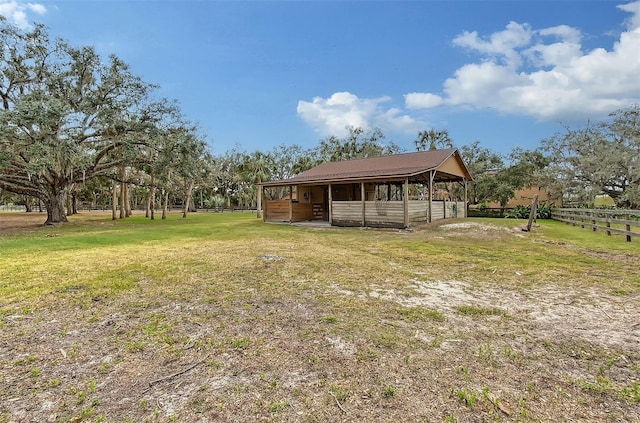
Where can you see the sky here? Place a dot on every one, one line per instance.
(258, 74)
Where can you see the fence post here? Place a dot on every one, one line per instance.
(608, 226)
(628, 226)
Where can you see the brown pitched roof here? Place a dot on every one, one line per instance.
(396, 166)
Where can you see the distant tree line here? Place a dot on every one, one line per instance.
(76, 129)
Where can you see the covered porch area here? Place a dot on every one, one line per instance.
(364, 197)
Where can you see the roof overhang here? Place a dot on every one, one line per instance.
(445, 165)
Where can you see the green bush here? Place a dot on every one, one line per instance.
(522, 212)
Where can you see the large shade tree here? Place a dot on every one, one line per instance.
(601, 158)
(66, 116)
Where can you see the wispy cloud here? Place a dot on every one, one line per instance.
(18, 12)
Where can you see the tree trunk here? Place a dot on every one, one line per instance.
(165, 204)
(152, 200)
(152, 197)
(27, 204)
(114, 201)
(69, 205)
(122, 200)
(74, 203)
(187, 200)
(127, 203)
(147, 205)
(55, 207)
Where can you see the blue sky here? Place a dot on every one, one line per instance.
(259, 74)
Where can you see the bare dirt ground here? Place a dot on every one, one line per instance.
(438, 350)
(15, 223)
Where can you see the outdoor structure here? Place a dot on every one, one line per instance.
(394, 191)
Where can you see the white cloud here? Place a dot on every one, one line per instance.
(501, 44)
(37, 8)
(16, 12)
(634, 9)
(422, 100)
(331, 116)
(523, 71)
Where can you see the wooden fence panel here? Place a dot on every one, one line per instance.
(438, 210)
(418, 211)
(384, 213)
(601, 219)
(347, 213)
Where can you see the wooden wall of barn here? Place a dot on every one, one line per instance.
(278, 211)
(376, 213)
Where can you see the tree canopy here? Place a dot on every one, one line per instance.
(68, 116)
(601, 158)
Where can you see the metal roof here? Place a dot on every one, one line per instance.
(397, 166)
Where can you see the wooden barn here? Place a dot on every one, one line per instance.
(396, 191)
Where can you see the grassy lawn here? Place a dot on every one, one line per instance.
(220, 317)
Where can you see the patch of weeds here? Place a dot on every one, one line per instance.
(86, 413)
(313, 359)
(240, 343)
(368, 354)
(418, 314)
(81, 397)
(339, 393)
(464, 370)
(632, 392)
(389, 391)
(330, 319)
(602, 385)
(512, 354)
(35, 372)
(278, 406)
(451, 418)
(467, 397)
(472, 311)
(524, 413)
(74, 350)
(621, 292)
(213, 364)
(54, 382)
(486, 352)
(29, 359)
(135, 346)
(436, 342)
(197, 404)
(386, 339)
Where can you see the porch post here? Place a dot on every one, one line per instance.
(290, 203)
(431, 175)
(405, 201)
(330, 207)
(465, 197)
(259, 202)
(362, 201)
(264, 212)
